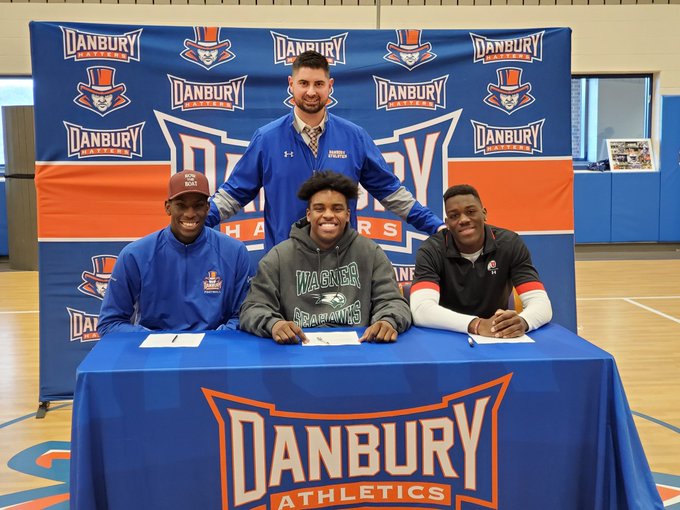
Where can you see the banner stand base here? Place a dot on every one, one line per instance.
(42, 410)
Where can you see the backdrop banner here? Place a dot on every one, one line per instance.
(119, 108)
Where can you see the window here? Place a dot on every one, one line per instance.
(13, 92)
(605, 107)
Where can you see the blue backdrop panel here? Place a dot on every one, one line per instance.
(69, 304)
(168, 109)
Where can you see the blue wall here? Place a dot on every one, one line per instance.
(4, 249)
(619, 207)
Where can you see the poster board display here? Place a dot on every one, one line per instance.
(630, 154)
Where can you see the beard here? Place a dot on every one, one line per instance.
(310, 108)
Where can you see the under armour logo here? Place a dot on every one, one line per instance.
(288, 154)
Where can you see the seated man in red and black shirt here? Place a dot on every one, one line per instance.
(465, 274)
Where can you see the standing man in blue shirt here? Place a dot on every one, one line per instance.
(286, 152)
(184, 277)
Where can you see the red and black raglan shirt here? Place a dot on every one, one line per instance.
(479, 288)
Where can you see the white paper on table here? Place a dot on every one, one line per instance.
(173, 340)
(479, 339)
(328, 338)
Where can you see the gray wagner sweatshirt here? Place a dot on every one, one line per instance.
(352, 284)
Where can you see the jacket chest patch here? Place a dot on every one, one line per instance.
(212, 283)
(492, 267)
(337, 154)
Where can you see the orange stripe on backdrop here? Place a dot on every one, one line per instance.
(521, 195)
(101, 201)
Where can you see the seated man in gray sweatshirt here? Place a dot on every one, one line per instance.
(325, 274)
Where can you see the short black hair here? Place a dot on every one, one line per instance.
(327, 179)
(461, 189)
(311, 59)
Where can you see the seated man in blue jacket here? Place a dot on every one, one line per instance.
(185, 277)
(326, 274)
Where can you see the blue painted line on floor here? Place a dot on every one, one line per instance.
(658, 422)
(26, 417)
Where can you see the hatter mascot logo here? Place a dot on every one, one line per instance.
(409, 52)
(101, 94)
(509, 94)
(95, 283)
(207, 50)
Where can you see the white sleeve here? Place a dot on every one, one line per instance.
(537, 308)
(428, 313)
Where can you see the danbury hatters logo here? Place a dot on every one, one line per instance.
(392, 95)
(80, 45)
(83, 326)
(286, 49)
(408, 51)
(526, 139)
(212, 283)
(206, 49)
(96, 283)
(509, 94)
(101, 94)
(189, 95)
(436, 455)
(519, 49)
(88, 143)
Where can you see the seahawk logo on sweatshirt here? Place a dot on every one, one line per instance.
(334, 299)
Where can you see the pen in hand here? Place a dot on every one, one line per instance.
(471, 342)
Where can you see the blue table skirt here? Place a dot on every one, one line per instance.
(427, 423)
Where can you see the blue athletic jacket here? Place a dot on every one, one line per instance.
(279, 160)
(160, 283)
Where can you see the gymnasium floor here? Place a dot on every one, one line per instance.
(628, 301)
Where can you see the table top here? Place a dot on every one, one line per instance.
(239, 350)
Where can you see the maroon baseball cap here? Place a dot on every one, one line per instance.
(188, 181)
